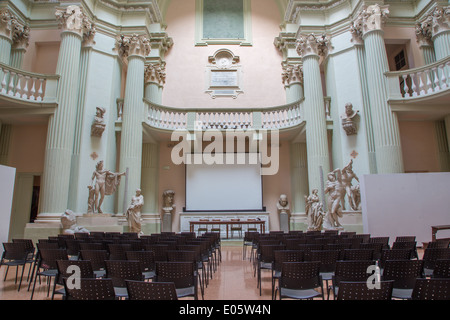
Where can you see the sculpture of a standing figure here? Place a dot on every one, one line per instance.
(335, 190)
(347, 177)
(104, 182)
(314, 211)
(133, 213)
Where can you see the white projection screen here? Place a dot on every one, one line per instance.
(224, 187)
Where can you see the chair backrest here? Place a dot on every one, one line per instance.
(121, 270)
(15, 251)
(139, 290)
(29, 245)
(84, 266)
(327, 258)
(147, 258)
(431, 289)
(267, 252)
(441, 269)
(351, 270)
(358, 254)
(117, 250)
(403, 272)
(404, 245)
(383, 240)
(364, 236)
(50, 256)
(430, 255)
(405, 238)
(92, 246)
(441, 243)
(281, 256)
(182, 256)
(90, 289)
(180, 273)
(300, 275)
(360, 291)
(394, 254)
(96, 257)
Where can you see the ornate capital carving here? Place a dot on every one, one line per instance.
(8, 23)
(292, 73)
(155, 72)
(313, 45)
(72, 18)
(132, 45)
(20, 36)
(439, 19)
(423, 32)
(370, 18)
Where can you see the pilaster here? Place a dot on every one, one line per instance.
(299, 176)
(442, 146)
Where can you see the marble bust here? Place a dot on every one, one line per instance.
(98, 126)
(349, 120)
(168, 203)
(283, 204)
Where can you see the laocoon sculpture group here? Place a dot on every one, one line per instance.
(338, 186)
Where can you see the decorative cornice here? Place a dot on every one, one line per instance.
(292, 73)
(294, 8)
(150, 7)
(313, 45)
(161, 41)
(156, 73)
(285, 40)
(132, 45)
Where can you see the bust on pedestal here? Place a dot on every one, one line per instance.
(168, 207)
(283, 209)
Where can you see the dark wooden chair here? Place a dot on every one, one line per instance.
(91, 289)
(431, 289)
(360, 291)
(138, 290)
(404, 273)
(182, 274)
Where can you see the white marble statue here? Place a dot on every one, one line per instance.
(314, 211)
(168, 202)
(104, 182)
(335, 190)
(133, 213)
(348, 175)
(69, 223)
(283, 204)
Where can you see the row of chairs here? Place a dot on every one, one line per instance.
(270, 251)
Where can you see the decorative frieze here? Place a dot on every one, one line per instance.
(292, 73)
(156, 73)
(132, 45)
(313, 45)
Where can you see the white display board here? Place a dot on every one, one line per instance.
(224, 187)
(7, 178)
(406, 204)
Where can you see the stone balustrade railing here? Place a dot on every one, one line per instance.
(169, 118)
(28, 86)
(419, 82)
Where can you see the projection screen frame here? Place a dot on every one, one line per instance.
(263, 208)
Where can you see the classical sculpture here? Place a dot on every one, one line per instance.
(69, 223)
(168, 204)
(98, 126)
(348, 120)
(314, 211)
(335, 190)
(283, 204)
(104, 182)
(348, 175)
(133, 213)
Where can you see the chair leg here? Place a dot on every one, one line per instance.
(6, 273)
(21, 277)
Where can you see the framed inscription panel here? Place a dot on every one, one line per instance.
(223, 75)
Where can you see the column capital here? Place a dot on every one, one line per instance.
(312, 44)
(132, 45)
(20, 36)
(292, 73)
(73, 19)
(439, 19)
(8, 23)
(423, 32)
(155, 73)
(370, 18)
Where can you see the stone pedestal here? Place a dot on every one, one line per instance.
(284, 222)
(167, 222)
(100, 222)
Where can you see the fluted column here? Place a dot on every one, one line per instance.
(5, 138)
(292, 77)
(440, 29)
(442, 146)
(423, 38)
(311, 47)
(7, 26)
(134, 48)
(75, 189)
(150, 157)
(299, 176)
(385, 122)
(61, 128)
(155, 77)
